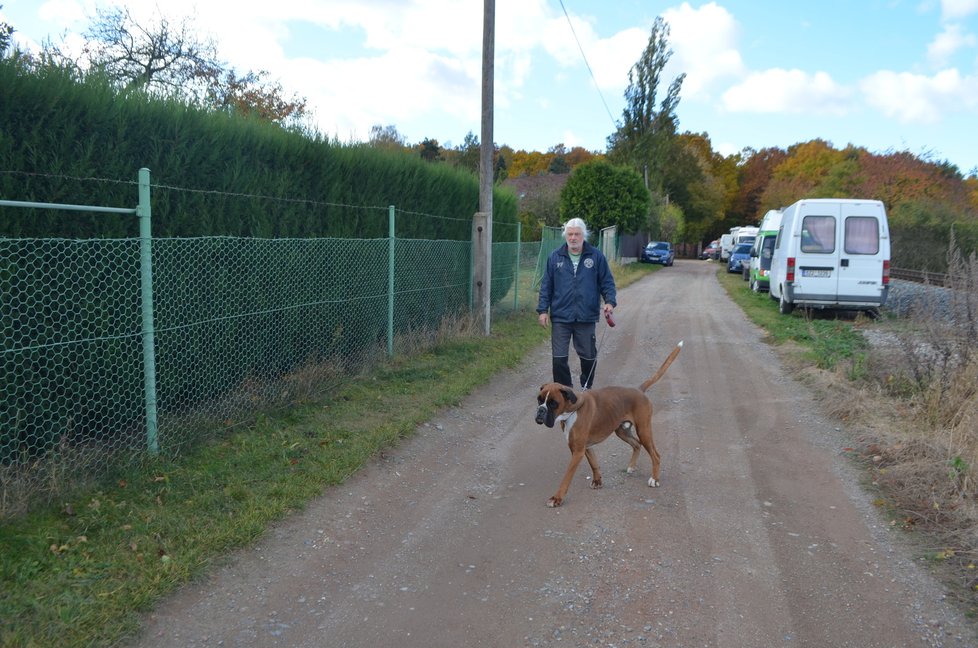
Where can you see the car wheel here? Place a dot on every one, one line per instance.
(784, 306)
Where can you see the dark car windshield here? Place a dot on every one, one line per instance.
(658, 246)
(743, 248)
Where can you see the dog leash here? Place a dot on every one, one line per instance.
(597, 347)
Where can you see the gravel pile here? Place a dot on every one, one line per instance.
(904, 295)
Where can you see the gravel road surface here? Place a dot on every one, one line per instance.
(758, 536)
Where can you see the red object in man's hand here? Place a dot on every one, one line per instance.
(608, 318)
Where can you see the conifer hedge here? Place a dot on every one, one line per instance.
(67, 140)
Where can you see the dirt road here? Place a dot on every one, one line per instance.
(758, 536)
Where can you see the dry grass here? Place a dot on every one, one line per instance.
(917, 400)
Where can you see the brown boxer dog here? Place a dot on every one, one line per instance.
(589, 417)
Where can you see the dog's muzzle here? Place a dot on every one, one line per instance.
(541, 415)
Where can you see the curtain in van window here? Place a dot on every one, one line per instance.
(862, 235)
(818, 234)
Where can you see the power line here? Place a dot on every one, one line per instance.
(588, 65)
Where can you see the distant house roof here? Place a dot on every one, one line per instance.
(535, 185)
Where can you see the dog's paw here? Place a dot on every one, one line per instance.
(596, 483)
(630, 470)
(554, 502)
(652, 482)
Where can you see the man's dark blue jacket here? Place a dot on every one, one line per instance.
(575, 296)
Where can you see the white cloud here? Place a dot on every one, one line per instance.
(613, 57)
(788, 91)
(949, 41)
(704, 45)
(914, 98)
(62, 14)
(956, 9)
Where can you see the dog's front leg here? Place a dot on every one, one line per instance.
(592, 460)
(558, 497)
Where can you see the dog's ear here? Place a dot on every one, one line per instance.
(569, 395)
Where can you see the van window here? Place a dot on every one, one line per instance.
(766, 252)
(862, 235)
(818, 234)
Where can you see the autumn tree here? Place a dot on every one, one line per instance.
(529, 163)
(430, 150)
(971, 185)
(803, 174)
(754, 173)
(253, 94)
(579, 155)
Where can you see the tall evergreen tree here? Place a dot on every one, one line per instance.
(648, 127)
(6, 35)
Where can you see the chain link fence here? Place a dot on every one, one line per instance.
(241, 325)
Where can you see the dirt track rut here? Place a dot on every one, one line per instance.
(758, 536)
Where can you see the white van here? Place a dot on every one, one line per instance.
(726, 244)
(760, 255)
(745, 234)
(832, 253)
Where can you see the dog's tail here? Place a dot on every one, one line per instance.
(662, 370)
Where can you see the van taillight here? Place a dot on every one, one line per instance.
(886, 272)
(791, 269)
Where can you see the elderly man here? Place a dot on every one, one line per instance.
(577, 277)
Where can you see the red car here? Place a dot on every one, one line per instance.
(711, 251)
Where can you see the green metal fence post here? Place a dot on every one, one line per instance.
(390, 281)
(146, 289)
(516, 281)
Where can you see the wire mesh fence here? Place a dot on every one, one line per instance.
(242, 325)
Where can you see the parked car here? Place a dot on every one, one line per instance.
(711, 251)
(738, 256)
(658, 252)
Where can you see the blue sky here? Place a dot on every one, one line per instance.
(887, 75)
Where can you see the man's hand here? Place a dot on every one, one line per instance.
(608, 309)
(544, 320)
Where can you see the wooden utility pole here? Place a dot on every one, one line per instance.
(482, 221)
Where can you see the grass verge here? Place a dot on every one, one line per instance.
(81, 573)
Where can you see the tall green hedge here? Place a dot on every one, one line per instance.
(81, 141)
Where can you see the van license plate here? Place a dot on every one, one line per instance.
(823, 274)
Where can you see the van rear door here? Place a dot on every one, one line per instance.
(863, 245)
(817, 265)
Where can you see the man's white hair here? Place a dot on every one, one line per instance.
(578, 223)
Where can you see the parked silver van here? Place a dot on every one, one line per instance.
(832, 253)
